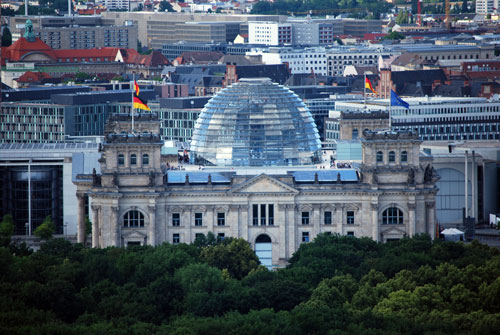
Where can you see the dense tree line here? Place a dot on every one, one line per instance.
(359, 8)
(333, 285)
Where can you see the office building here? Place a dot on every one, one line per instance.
(439, 119)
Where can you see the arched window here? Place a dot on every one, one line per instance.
(145, 159)
(404, 156)
(380, 157)
(392, 215)
(392, 156)
(133, 159)
(354, 133)
(133, 219)
(121, 159)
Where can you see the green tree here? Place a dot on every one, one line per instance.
(394, 36)
(236, 256)
(6, 37)
(165, 6)
(6, 230)
(46, 229)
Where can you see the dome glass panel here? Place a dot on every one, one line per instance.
(255, 122)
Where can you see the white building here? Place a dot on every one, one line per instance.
(486, 6)
(269, 33)
(340, 57)
(306, 60)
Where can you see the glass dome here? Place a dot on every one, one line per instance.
(255, 122)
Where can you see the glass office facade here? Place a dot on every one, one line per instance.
(255, 123)
(46, 196)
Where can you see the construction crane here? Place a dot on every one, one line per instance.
(419, 13)
(447, 12)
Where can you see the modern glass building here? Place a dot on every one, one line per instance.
(255, 122)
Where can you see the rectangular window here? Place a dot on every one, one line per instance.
(221, 219)
(221, 236)
(263, 215)
(198, 219)
(176, 239)
(328, 217)
(350, 217)
(305, 218)
(198, 236)
(350, 233)
(271, 214)
(305, 236)
(176, 219)
(255, 215)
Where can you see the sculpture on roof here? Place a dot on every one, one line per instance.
(29, 35)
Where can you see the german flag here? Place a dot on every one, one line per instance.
(136, 88)
(369, 86)
(139, 104)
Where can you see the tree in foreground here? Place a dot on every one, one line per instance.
(6, 230)
(46, 229)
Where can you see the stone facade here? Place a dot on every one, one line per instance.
(134, 202)
(352, 124)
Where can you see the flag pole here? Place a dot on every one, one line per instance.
(133, 87)
(364, 91)
(390, 110)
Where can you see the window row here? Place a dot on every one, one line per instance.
(327, 218)
(198, 219)
(133, 159)
(263, 214)
(392, 156)
(134, 218)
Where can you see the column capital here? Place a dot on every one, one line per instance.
(374, 206)
(412, 206)
(80, 196)
(95, 207)
(430, 204)
(115, 209)
(152, 208)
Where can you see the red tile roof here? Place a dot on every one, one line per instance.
(31, 77)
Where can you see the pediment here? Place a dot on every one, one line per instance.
(134, 234)
(393, 231)
(264, 184)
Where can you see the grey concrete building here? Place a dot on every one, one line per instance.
(157, 29)
(77, 32)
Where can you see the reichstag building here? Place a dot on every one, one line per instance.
(255, 174)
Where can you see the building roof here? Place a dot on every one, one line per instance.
(31, 77)
(416, 83)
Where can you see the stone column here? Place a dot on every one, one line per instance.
(115, 227)
(244, 221)
(280, 221)
(430, 218)
(339, 219)
(375, 226)
(152, 225)
(95, 226)
(412, 222)
(315, 217)
(81, 218)
(166, 224)
(211, 218)
(292, 229)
